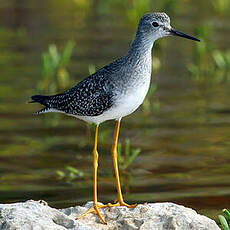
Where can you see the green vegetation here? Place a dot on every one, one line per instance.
(209, 63)
(54, 75)
(92, 69)
(70, 173)
(223, 221)
(126, 156)
(221, 6)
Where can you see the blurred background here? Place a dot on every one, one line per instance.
(176, 147)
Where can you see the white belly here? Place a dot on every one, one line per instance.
(124, 105)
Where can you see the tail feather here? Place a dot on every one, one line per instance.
(40, 99)
(44, 100)
(50, 102)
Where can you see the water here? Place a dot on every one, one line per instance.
(184, 144)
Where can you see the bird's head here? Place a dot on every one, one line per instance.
(157, 25)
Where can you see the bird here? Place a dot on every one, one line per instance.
(113, 92)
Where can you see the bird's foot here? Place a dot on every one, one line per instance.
(94, 208)
(119, 203)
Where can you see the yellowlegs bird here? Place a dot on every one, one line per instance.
(114, 91)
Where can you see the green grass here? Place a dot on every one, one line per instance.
(209, 64)
(221, 6)
(126, 155)
(223, 219)
(70, 173)
(54, 74)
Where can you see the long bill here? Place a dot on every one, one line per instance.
(180, 34)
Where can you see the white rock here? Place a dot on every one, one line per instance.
(34, 215)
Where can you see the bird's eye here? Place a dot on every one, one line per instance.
(155, 24)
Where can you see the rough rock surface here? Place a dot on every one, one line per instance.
(35, 215)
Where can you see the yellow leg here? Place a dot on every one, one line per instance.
(115, 164)
(95, 207)
(120, 201)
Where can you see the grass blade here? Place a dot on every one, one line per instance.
(223, 222)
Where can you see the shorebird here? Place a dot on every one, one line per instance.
(113, 92)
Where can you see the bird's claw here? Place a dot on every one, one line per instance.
(94, 208)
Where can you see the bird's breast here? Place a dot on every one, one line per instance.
(132, 96)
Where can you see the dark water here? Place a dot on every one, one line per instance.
(184, 144)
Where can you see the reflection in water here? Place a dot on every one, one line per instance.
(184, 142)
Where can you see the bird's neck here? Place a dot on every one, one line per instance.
(140, 53)
(141, 46)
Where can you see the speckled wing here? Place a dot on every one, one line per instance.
(90, 97)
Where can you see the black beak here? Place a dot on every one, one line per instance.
(180, 34)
